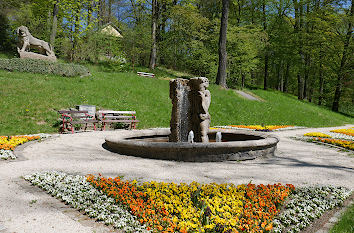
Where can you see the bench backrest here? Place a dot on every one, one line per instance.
(109, 114)
(151, 75)
(75, 114)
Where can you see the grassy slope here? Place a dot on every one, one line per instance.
(278, 108)
(28, 102)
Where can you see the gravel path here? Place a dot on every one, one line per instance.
(246, 95)
(24, 208)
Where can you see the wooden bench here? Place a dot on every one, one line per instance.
(150, 75)
(108, 117)
(71, 118)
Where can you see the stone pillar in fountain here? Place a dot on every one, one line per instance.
(190, 104)
(199, 98)
(179, 123)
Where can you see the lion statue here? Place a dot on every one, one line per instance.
(27, 41)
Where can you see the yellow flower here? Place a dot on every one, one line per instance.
(317, 134)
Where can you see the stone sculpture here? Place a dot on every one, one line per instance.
(179, 123)
(27, 41)
(200, 100)
(190, 104)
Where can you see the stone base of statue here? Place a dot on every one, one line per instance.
(32, 55)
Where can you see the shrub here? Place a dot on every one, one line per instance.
(43, 67)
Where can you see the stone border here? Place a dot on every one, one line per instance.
(193, 152)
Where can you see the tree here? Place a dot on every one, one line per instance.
(154, 16)
(221, 76)
(54, 23)
(341, 70)
(266, 57)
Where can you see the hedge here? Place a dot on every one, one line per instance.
(43, 67)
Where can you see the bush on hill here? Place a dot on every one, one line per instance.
(43, 67)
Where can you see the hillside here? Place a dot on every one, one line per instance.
(28, 102)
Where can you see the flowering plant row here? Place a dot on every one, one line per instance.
(349, 131)
(338, 142)
(168, 207)
(80, 194)
(317, 134)
(307, 204)
(256, 127)
(9, 143)
(334, 138)
(252, 208)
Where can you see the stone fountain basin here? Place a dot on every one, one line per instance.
(153, 143)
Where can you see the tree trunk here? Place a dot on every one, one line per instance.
(286, 76)
(221, 76)
(320, 97)
(300, 87)
(110, 2)
(280, 78)
(266, 57)
(242, 80)
(75, 35)
(53, 34)
(346, 49)
(49, 19)
(153, 53)
(101, 12)
(252, 11)
(297, 29)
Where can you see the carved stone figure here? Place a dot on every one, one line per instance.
(27, 41)
(200, 99)
(190, 104)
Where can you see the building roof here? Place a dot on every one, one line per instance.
(111, 30)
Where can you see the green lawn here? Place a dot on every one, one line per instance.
(28, 102)
(346, 222)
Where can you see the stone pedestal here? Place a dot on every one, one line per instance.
(180, 119)
(37, 56)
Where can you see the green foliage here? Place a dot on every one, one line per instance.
(136, 43)
(43, 67)
(6, 44)
(245, 44)
(185, 45)
(42, 95)
(99, 47)
(346, 222)
(34, 16)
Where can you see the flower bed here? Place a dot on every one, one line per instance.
(9, 143)
(196, 207)
(265, 128)
(335, 138)
(338, 142)
(317, 134)
(80, 194)
(349, 131)
(306, 204)
(169, 207)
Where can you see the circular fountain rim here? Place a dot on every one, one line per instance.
(197, 152)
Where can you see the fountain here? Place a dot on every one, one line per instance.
(189, 137)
